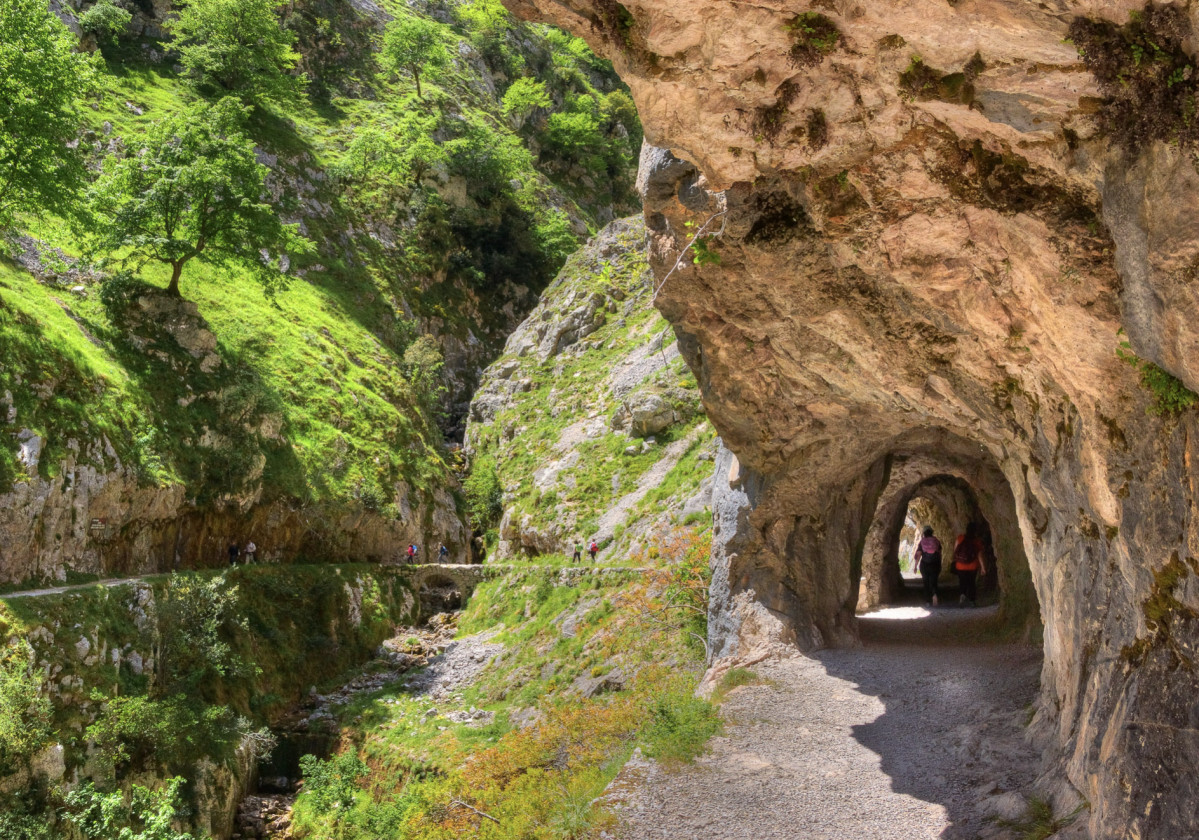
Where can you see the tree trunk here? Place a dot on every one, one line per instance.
(176, 270)
(416, 78)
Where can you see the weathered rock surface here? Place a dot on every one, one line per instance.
(909, 278)
(589, 410)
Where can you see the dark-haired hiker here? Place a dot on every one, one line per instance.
(968, 563)
(928, 561)
(593, 549)
(578, 555)
(233, 552)
(442, 553)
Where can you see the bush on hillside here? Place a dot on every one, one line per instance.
(24, 710)
(105, 20)
(238, 47)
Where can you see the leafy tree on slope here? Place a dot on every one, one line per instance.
(42, 79)
(414, 44)
(195, 187)
(238, 47)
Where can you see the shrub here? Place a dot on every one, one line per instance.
(24, 712)
(196, 616)
(680, 726)
(484, 494)
(813, 37)
(333, 783)
(1170, 395)
(142, 814)
(1148, 77)
(105, 20)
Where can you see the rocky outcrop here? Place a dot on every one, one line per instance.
(589, 410)
(921, 256)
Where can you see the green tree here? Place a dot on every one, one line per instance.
(238, 46)
(42, 79)
(142, 814)
(423, 363)
(105, 20)
(194, 187)
(195, 618)
(24, 711)
(414, 44)
(484, 494)
(333, 783)
(386, 164)
(522, 98)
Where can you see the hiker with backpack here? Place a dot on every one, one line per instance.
(593, 549)
(578, 555)
(928, 562)
(968, 564)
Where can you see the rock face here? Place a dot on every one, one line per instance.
(926, 253)
(589, 410)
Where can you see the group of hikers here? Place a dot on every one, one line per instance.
(414, 550)
(245, 554)
(968, 562)
(592, 549)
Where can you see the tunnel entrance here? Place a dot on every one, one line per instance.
(947, 505)
(953, 488)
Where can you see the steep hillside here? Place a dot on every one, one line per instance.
(590, 421)
(139, 432)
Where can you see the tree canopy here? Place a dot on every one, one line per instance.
(194, 187)
(415, 45)
(238, 47)
(42, 79)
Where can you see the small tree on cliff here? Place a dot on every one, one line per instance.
(194, 188)
(42, 79)
(238, 47)
(414, 44)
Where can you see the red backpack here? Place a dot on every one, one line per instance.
(965, 556)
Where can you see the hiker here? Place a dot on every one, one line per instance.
(442, 553)
(593, 549)
(928, 562)
(578, 555)
(968, 563)
(249, 552)
(415, 550)
(233, 552)
(411, 552)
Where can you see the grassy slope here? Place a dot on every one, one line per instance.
(575, 386)
(539, 767)
(325, 360)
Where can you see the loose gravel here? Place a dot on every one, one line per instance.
(896, 740)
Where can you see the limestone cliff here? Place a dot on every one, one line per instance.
(590, 419)
(927, 250)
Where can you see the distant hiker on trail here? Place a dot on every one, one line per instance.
(233, 552)
(593, 549)
(442, 553)
(968, 563)
(928, 562)
(249, 552)
(411, 552)
(578, 555)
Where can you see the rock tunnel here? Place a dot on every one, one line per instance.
(923, 249)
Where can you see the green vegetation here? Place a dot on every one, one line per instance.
(813, 37)
(140, 814)
(238, 47)
(194, 188)
(587, 673)
(105, 20)
(1039, 821)
(42, 82)
(24, 710)
(1170, 396)
(430, 211)
(922, 82)
(567, 389)
(415, 45)
(1146, 73)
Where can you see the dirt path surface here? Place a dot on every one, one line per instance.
(894, 741)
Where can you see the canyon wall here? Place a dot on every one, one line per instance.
(922, 253)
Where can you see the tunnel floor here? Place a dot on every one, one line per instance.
(896, 740)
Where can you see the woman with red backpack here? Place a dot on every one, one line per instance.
(968, 564)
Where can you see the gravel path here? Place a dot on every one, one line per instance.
(893, 741)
